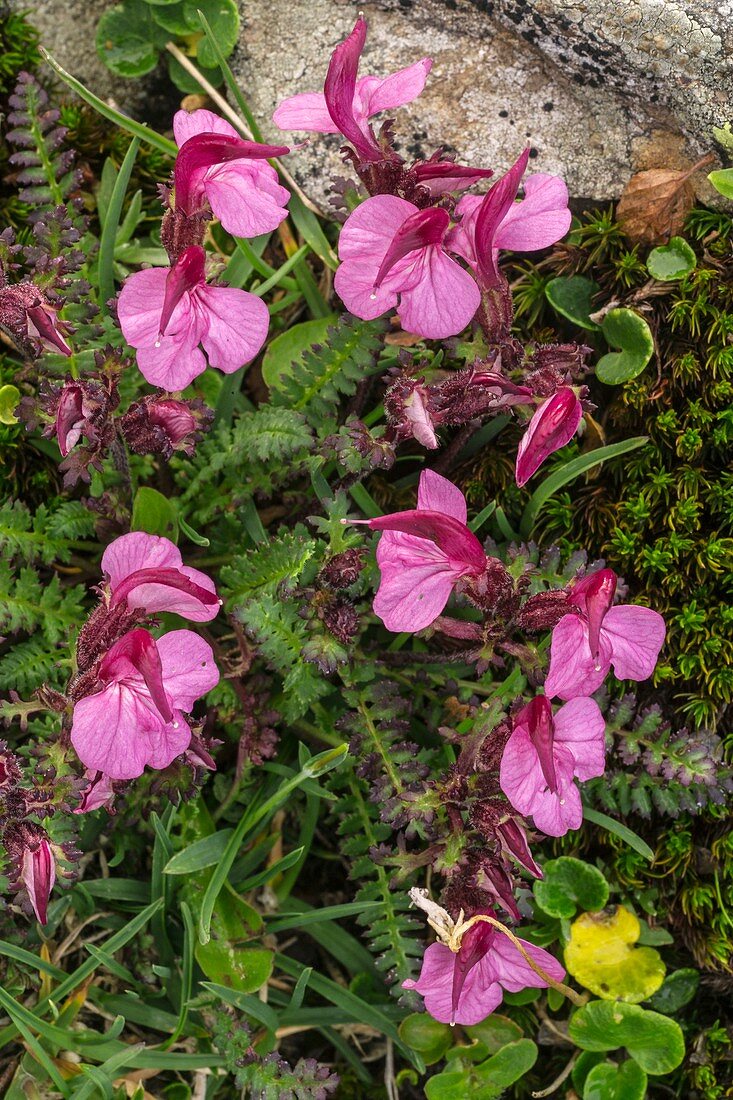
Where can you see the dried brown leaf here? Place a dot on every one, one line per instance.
(655, 203)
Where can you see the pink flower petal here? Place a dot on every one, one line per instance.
(555, 814)
(437, 494)
(520, 772)
(443, 301)
(573, 671)
(118, 731)
(188, 124)
(138, 550)
(305, 112)
(507, 966)
(478, 999)
(636, 635)
(398, 88)
(364, 242)
(237, 324)
(580, 727)
(173, 365)
(189, 669)
(417, 580)
(540, 219)
(246, 197)
(140, 306)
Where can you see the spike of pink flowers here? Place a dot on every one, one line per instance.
(552, 426)
(215, 165)
(422, 554)
(392, 253)
(347, 103)
(166, 313)
(136, 718)
(595, 637)
(147, 572)
(543, 755)
(467, 986)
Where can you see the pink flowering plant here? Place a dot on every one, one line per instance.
(282, 646)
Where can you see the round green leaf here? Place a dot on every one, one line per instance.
(494, 1032)
(671, 261)
(570, 884)
(585, 1063)
(172, 18)
(486, 1081)
(223, 18)
(654, 1041)
(187, 83)
(722, 181)
(129, 40)
(427, 1036)
(287, 349)
(572, 296)
(245, 969)
(678, 990)
(625, 329)
(610, 1082)
(9, 398)
(154, 513)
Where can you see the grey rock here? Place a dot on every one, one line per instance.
(600, 88)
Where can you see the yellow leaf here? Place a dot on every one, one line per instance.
(601, 956)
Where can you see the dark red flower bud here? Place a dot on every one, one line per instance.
(30, 320)
(34, 866)
(160, 425)
(342, 570)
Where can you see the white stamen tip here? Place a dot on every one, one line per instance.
(157, 343)
(597, 668)
(373, 296)
(175, 725)
(562, 801)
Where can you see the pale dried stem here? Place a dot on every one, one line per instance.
(235, 119)
(558, 1080)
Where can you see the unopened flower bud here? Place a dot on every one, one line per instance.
(30, 320)
(34, 867)
(161, 425)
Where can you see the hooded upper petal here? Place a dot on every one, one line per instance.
(635, 635)
(573, 669)
(552, 426)
(236, 326)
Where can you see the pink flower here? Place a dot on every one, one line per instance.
(422, 554)
(166, 313)
(161, 425)
(71, 416)
(553, 425)
(441, 177)
(147, 573)
(495, 221)
(596, 636)
(392, 252)
(347, 104)
(464, 987)
(34, 866)
(217, 166)
(545, 753)
(136, 719)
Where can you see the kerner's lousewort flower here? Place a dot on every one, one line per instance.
(166, 313)
(594, 636)
(543, 755)
(146, 572)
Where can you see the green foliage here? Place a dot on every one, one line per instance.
(325, 372)
(568, 885)
(49, 534)
(131, 36)
(654, 1041)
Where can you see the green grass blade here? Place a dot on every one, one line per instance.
(310, 230)
(621, 831)
(137, 129)
(106, 272)
(569, 472)
(229, 80)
